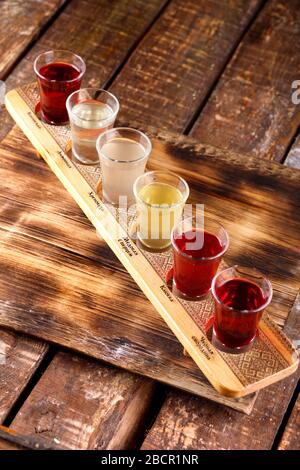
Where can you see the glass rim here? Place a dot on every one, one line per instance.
(255, 310)
(135, 131)
(200, 258)
(55, 51)
(161, 206)
(101, 90)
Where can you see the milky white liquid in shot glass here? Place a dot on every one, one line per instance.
(122, 161)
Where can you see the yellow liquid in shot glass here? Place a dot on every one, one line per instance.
(159, 207)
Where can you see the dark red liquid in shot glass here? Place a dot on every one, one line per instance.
(233, 327)
(193, 274)
(57, 81)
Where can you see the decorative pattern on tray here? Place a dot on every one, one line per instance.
(263, 359)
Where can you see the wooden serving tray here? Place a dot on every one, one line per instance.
(271, 359)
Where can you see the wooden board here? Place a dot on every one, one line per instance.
(17, 31)
(102, 409)
(251, 110)
(201, 37)
(18, 28)
(19, 359)
(293, 157)
(33, 224)
(187, 422)
(60, 228)
(168, 77)
(175, 427)
(205, 36)
(237, 383)
(291, 436)
(104, 44)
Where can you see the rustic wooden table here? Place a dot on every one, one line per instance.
(220, 71)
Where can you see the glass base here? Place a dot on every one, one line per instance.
(183, 296)
(107, 199)
(42, 117)
(152, 249)
(82, 160)
(222, 347)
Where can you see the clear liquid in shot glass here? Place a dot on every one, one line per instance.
(90, 118)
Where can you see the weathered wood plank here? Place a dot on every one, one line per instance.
(170, 74)
(19, 359)
(251, 110)
(92, 408)
(79, 241)
(20, 23)
(55, 36)
(293, 158)
(98, 280)
(19, 356)
(187, 422)
(102, 32)
(17, 30)
(291, 436)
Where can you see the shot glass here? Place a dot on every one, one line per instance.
(241, 294)
(91, 112)
(160, 198)
(199, 244)
(59, 73)
(123, 154)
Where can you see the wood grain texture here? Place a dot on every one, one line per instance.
(251, 110)
(293, 158)
(187, 422)
(102, 32)
(19, 359)
(149, 271)
(86, 325)
(78, 242)
(21, 356)
(103, 299)
(81, 182)
(20, 23)
(92, 408)
(170, 74)
(291, 436)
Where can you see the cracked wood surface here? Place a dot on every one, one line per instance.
(103, 44)
(251, 111)
(90, 408)
(291, 436)
(18, 27)
(169, 75)
(19, 358)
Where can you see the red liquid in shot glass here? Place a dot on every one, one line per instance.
(192, 274)
(233, 327)
(57, 81)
